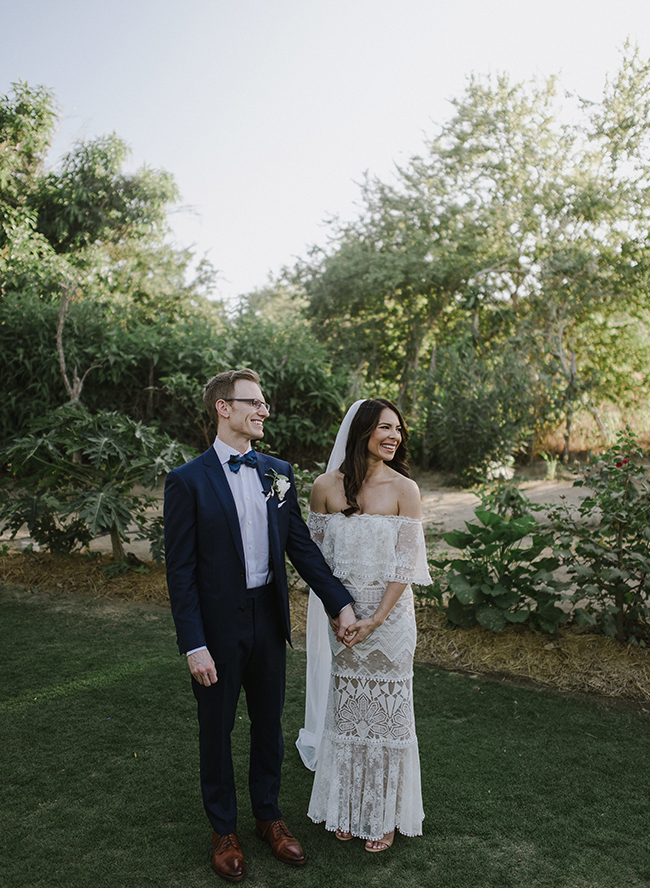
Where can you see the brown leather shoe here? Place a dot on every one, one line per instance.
(227, 857)
(283, 845)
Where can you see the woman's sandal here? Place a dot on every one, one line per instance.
(343, 836)
(380, 844)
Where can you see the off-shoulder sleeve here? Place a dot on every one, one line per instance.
(410, 554)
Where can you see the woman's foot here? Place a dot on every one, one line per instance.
(343, 836)
(376, 845)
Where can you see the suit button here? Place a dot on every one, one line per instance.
(241, 608)
(242, 574)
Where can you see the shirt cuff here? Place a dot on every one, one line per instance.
(194, 650)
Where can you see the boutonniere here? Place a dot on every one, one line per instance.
(279, 486)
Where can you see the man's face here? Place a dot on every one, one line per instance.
(244, 420)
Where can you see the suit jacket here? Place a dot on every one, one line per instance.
(206, 573)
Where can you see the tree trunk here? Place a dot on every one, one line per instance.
(571, 373)
(404, 385)
(424, 462)
(72, 388)
(591, 407)
(567, 433)
(416, 368)
(118, 548)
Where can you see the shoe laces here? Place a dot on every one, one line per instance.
(279, 826)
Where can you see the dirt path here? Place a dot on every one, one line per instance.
(450, 507)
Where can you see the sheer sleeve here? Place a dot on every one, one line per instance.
(410, 554)
(316, 522)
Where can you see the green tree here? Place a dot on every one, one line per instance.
(88, 238)
(513, 226)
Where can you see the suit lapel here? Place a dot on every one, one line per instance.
(263, 466)
(217, 477)
(262, 469)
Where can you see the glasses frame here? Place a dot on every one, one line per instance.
(254, 402)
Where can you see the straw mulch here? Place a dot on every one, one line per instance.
(572, 660)
(80, 575)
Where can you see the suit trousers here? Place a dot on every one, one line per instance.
(258, 664)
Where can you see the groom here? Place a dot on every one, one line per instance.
(230, 516)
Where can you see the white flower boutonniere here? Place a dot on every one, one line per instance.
(279, 487)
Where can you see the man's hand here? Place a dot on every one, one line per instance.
(360, 631)
(344, 623)
(202, 667)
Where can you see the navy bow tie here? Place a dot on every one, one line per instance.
(245, 459)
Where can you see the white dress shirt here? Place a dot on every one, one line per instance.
(250, 502)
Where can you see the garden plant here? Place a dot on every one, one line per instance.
(606, 546)
(73, 478)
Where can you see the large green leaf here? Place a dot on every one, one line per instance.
(488, 518)
(519, 616)
(491, 618)
(461, 587)
(457, 539)
(459, 614)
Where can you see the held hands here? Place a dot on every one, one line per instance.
(202, 667)
(361, 630)
(349, 630)
(341, 624)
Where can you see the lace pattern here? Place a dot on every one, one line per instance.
(368, 773)
(397, 552)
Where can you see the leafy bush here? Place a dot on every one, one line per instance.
(304, 479)
(606, 546)
(505, 575)
(477, 411)
(305, 393)
(74, 476)
(506, 499)
(129, 358)
(154, 372)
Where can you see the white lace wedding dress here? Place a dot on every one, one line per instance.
(367, 778)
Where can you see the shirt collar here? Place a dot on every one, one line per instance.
(225, 451)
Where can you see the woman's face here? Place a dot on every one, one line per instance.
(386, 438)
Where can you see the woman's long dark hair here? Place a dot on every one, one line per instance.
(355, 465)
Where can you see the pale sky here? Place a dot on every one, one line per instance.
(268, 112)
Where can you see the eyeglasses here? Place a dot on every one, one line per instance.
(254, 402)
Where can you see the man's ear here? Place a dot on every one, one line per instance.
(222, 407)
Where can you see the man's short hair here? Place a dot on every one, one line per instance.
(222, 386)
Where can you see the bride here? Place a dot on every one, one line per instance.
(359, 735)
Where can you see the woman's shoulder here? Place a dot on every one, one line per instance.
(328, 481)
(325, 488)
(408, 497)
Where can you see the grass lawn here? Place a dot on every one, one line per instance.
(99, 781)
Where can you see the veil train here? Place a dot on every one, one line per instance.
(319, 655)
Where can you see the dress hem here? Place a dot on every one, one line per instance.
(366, 838)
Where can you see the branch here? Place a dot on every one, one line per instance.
(73, 389)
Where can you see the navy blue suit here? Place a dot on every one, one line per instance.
(246, 636)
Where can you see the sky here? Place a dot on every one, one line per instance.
(269, 112)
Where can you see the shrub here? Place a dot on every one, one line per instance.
(477, 411)
(74, 476)
(606, 546)
(505, 574)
